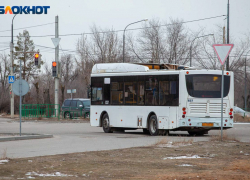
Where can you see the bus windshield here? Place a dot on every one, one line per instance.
(206, 86)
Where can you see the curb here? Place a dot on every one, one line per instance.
(24, 136)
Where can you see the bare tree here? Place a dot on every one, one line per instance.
(4, 86)
(68, 74)
(106, 45)
(177, 42)
(150, 41)
(160, 44)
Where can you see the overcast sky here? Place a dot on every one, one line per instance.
(76, 16)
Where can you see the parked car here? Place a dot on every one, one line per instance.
(77, 107)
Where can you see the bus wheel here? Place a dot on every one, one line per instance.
(153, 130)
(105, 124)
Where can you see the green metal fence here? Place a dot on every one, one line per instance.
(41, 110)
(50, 111)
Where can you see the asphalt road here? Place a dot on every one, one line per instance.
(81, 137)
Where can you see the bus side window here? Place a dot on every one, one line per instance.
(116, 90)
(152, 96)
(169, 90)
(97, 94)
(130, 89)
(97, 90)
(140, 96)
(164, 92)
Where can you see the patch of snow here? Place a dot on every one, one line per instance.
(170, 144)
(30, 177)
(183, 157)
(30, 161)
(247, 154)
(57, 174)
(4, 161)
(185, 165)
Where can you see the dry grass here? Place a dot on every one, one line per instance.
(165, 141)
(161, 141)
(239, 118)
(225, 137)
(183, 142)
(222, 161)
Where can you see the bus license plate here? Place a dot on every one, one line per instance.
(207, 124)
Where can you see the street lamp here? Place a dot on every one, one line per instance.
(124, 36)
(192, 45)
(11, 71)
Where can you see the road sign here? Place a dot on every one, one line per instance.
(11, 79)
(222, 51)
(71, 91)
(56, 41)
(20, 87)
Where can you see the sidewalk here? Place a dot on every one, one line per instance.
(24, 136)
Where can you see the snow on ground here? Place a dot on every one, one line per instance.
(185, 165)
(174, 145)
(183, 157)
(57, 174)
(4, 161)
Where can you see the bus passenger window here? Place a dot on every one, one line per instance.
(130, 93)
(96, 90)
(164, 92)
(140, 93)
(116, 92)
(152, 96)
(96, 94)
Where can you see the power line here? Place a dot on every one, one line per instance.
(127, 29)
(46, 47)
(4, 49)
(29, 27)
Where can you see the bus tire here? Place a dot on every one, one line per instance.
(106, 124)
(153, 126)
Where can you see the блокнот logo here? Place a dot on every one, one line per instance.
(24, 9)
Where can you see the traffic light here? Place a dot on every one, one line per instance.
(36, 59)
(54, 69)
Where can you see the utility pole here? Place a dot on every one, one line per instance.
(227, 65)
(56, 59)
(245, 84)
(224, 39)
(11, 71)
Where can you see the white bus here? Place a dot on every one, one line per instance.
(130, 96)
